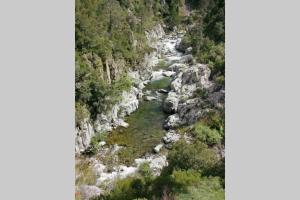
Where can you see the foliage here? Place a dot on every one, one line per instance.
(216, 120)
(81, 113)
(86, 174)
(205, 134)
(207, 35)
(195, 156)
(92, 92)
(128, 188)
(144, 170)
(94, 144)
(173, 17)
(108, 31)
(190, 185)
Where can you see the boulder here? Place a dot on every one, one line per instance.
(163, 91)
(157, 148)
(156, 75)
(150, 98)
(168, 73)
(176, 67)
(176, 84)
(189, 59)
(98, 169)
(188, 50)
(89, 191)
(171, 137)
(102, 143)
(171, 103)
(173, 121)
(140, 95)
(120, 122)
(83, 135)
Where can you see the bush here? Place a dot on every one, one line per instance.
(128, 188)
(81, 113)
(202, 192)
(145, 170)
(183, 178)
(94, 144)
(205, 134)
(195, 156)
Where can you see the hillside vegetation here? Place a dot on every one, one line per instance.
(110, 40)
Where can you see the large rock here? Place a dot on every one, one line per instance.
(89, 191)
(157, 148)
(188, 50)
(105, 122)
(171, 137)
(154, 34)
(171, 103)
(173, 121)
(197, 74)
(83, 135)
(150, 98)
(156, 162)
(168, 73)
(176, 67)
(217, 98)
(156, 75)
(191, 110)
(176, 84)
(187, 59)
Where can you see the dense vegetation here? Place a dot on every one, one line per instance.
(110, 39)
(206, 34)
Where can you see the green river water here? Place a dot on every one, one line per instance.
(145, 126)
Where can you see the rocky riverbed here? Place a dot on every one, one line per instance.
(172, 90)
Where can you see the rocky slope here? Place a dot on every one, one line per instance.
(129, 99)
(191, 96)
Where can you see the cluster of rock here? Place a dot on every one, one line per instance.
(171, 137)
(129, 100)
(192, 93)
(191, 97)
(107, 121)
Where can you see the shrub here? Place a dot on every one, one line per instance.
(195, 156)
(184, 178)
(81, 113)
(94, 144)
(128, 188)
(145, 170)
(205, 134)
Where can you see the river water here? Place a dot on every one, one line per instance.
(146, 123)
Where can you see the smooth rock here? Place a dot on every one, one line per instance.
(150, 98)
(120, 122)
(89, 191)
(102, 143)
(188, 50)
(140, 95)
(168, 73)
(156, 75)
(163, 91)
(83, 135)
(157, 148)
(176, 67)
(173, 121)
(171, 103)
(171, 137)
(187, 59)
(98, 169)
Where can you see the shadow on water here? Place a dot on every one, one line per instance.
(145, 127)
